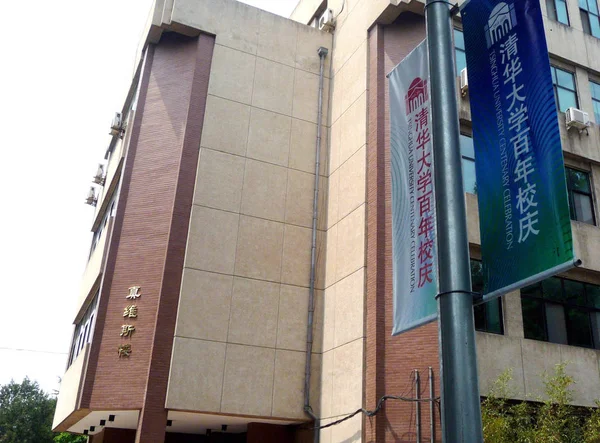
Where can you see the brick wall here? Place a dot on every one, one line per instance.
(390, 361)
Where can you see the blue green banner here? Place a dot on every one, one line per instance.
(523, 207)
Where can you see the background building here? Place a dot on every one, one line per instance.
(204, 221)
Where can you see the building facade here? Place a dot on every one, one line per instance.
(193, 319)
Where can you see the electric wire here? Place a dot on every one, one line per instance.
(32, 350)
(380, 404)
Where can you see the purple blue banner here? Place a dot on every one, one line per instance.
(413, 203)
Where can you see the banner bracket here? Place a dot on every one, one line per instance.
(476, 295)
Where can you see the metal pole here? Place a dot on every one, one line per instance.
(461, 411)
(431, 411)
(418, 397)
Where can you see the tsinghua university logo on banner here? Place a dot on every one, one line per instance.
(502, 20)
(416, 95)
(515, 141)
(419, 144)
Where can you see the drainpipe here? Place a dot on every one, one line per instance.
(311, 293)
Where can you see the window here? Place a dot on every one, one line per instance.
(83, 331)
(565, 91)
(488, 316)
(468, 164)
(580, 196)
(459, 51)
(596, 100)
(589, 17)
(557, 11)
(562, 311)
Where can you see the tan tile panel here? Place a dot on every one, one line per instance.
(204, 305)
(309, 41)
(235, 24)
(354, 77)
(327, 374)
(273, 86)
(277, 39)
(331, 256)
(303, 147)
(259, 249)
(288, 387)
(306, 92)
(349, 308)
(248, 380)
(212, 240)
(335, 143)
(219, 180)
(350, 254)
(295, 268)
(353, 128)
(196, 377)
(347, 378)
(225, 125)
(352, 183)
(269, 137)
(254, 307)
(264, 190)
(300, 198)
(292, 318)
(333, 198)
(232, 74)
(329, 318)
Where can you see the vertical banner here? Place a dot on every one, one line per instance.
(523, 208)
(413, 203)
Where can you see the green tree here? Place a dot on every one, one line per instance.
(65, 437)
(554, 420)
(25, 413)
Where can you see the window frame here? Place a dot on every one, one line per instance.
(571, 192)
(537, 294)
(464, 156)
(458, 49)
(586, 19)
(552, 11)
(595, 100)
(556, 86)
(484, 307)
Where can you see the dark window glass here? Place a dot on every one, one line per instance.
(589, 17)
(596, 100)
(488, 316)
(580, 196)
(555, 323)
(459, 46)
(565, 91)
(557, 11)
(468, 164)
(563, 311)
(534, 320)
(579, 328)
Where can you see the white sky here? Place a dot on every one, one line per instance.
(65, 68)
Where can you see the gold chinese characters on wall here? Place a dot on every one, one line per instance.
(129, 312)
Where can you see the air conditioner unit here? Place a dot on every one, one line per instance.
(327, 21)
(99, 178)
(576, 118)
(91, 198)
(117, 127)
(464, 82)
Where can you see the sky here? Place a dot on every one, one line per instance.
(66, 69)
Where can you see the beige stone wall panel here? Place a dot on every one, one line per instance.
(248, 380)
(253, 319)
(232, 74)
(226, 126)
